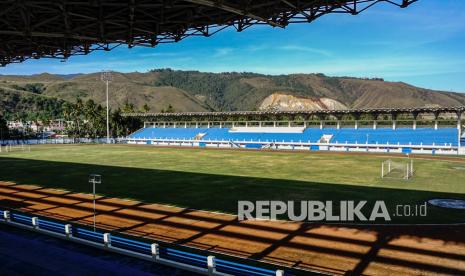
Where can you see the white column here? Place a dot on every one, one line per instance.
(459, 121)
(164, 124)
(289, 124)
(415, 124)
(68, 230)
(274, 124)
(459, 127)
(196, 124)
(260, 124)
(305, 124)
(394, 124)
(221, 124)
(6, 215)
(375, 124)
(155, 251)
(321, 124)
(185, 124)
(211, 265)
(356, 124)
(208, 125)
(435, 124)
(338, 124)
(279, 272)
(107, 239)
(35, 222)
(246, 124)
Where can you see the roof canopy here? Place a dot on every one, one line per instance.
(264, 115)
(62, 28)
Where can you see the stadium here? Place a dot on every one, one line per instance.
(168, 192)
(327, 131)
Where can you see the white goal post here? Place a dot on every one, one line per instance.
(397, 169)
(11, 148)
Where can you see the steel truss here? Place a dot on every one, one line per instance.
(63, 28)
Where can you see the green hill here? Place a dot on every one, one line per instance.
(198, 91)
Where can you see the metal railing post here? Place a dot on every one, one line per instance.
(107, 239)
(211, 265)
(155, 251)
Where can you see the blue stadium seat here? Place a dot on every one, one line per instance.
(403, 136)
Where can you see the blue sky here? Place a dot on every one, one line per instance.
(423, 45)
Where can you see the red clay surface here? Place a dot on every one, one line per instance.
(367, 250)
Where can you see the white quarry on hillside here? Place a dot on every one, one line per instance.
(283, 102)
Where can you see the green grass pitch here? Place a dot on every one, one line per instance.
(217, 179)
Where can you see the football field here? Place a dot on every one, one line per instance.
(216, 179)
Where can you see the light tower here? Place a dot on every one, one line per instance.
(107, 77)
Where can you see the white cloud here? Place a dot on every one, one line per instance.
(298, 48)
(221, 52)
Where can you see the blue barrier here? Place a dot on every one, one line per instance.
(52, 226)
(164, 251)
(241, 269)
(183, 257)
(140, 247)
(87, 234)
(21, 219)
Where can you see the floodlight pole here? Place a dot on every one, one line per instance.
(108, 118)
(106, 77)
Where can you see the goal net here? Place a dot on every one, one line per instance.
(14, 148)
(397, 169)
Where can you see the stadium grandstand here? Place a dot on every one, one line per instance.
(417, 130)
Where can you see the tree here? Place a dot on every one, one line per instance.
(4, 133)
(146, 108)
(128, 107)
(169, 109)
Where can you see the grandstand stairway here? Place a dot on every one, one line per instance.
(326, 138)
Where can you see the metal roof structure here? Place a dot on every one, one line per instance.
(258, 115)
(63, 28)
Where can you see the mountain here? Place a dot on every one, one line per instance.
(198, 91)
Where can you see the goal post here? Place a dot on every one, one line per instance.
(397, 169)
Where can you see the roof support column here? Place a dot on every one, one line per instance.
(394, 120)
(357, 118)
(375, 120)
(436, 117)
(459, 127)
(459, 120)
(338, 120)
(322, 120)
(415, 116)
